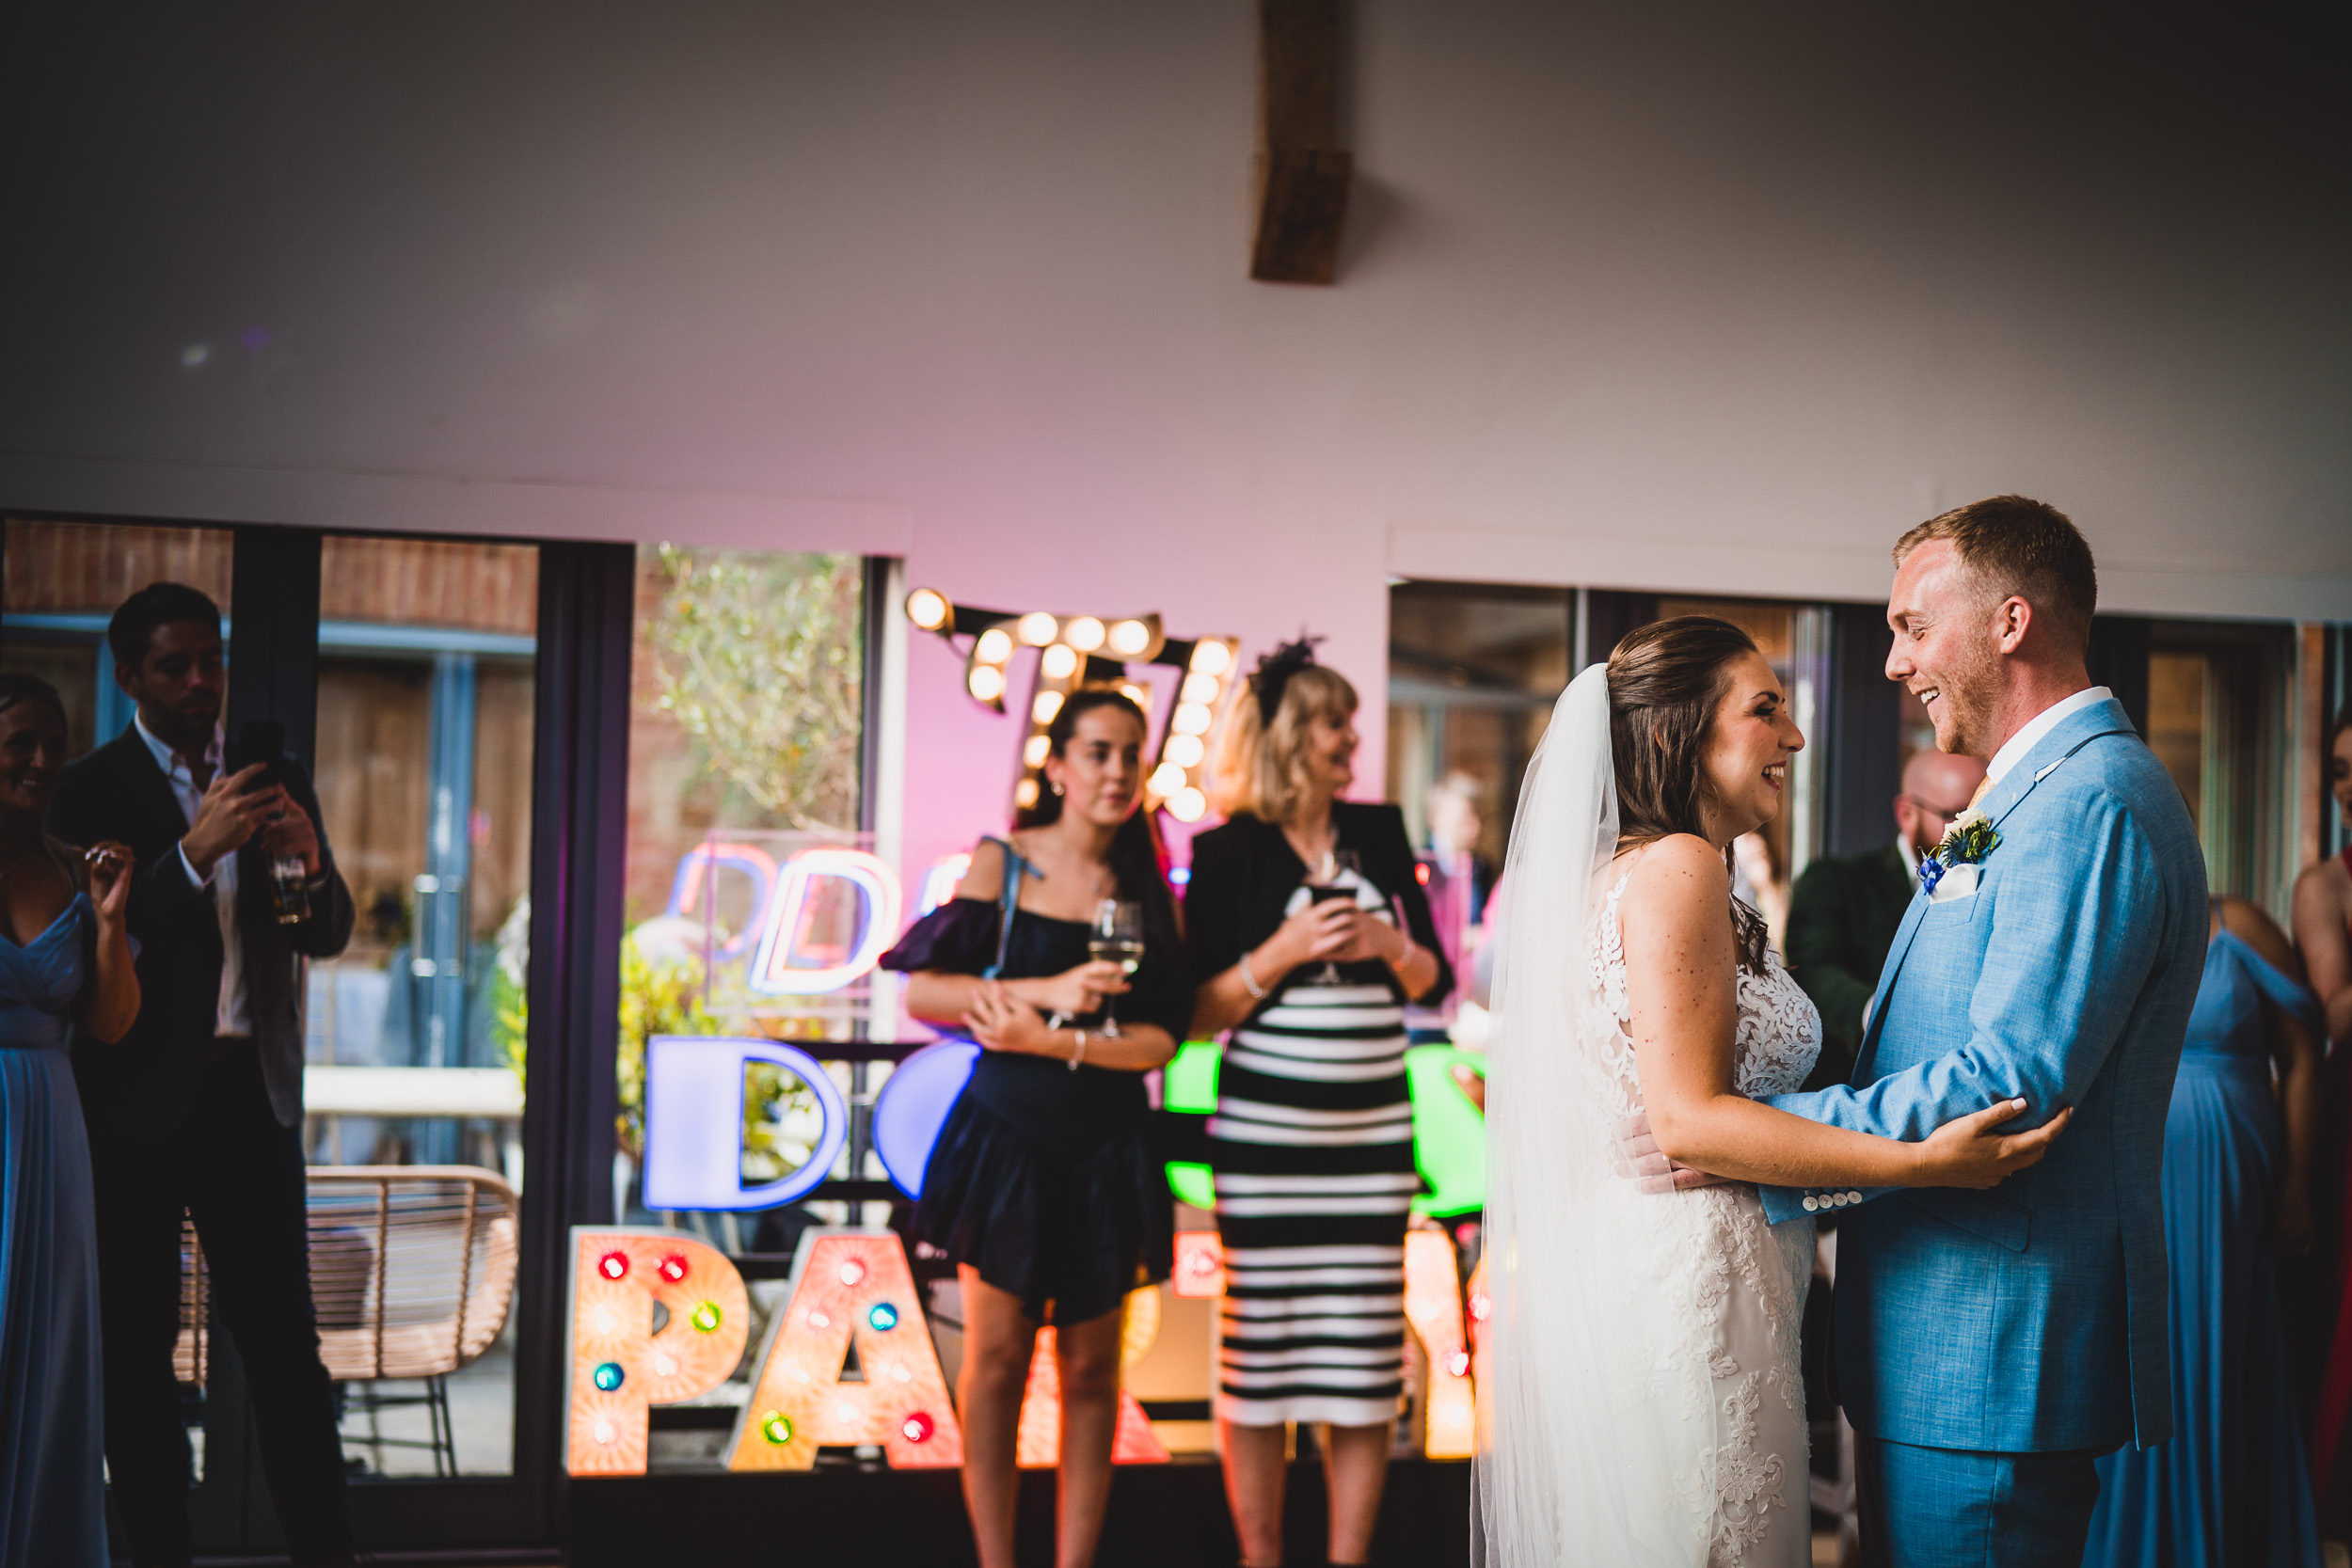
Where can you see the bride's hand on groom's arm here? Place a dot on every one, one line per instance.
(1651, 1168)
(1973, 1151)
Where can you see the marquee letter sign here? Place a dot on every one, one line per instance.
(694, 1122)
(1433, 1304)
(1037, 1445)
(657, 1318)
(851, 1290)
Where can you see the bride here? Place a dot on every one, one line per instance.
(1642, 1405)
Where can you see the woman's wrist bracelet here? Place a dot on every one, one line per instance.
(1250, 980)
(1078, 1055)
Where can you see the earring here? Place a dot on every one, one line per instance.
(1057, 789)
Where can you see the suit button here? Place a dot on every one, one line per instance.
(1811, 1204)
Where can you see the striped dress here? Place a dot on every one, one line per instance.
(1311, 1145)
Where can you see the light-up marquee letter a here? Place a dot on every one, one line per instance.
(849, 1288)
(657, 1318)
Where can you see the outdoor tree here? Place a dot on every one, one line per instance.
(758, 659)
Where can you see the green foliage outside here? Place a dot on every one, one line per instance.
(758, 658)
(657, 997)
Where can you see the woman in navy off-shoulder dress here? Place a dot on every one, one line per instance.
(64, 960)
(2230, 1486)
(1041, 1186)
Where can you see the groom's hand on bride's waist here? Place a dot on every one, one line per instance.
(1649, 1168)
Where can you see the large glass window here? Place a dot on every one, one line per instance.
(748, 900)
(425, 670)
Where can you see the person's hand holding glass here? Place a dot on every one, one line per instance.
(1117, 936)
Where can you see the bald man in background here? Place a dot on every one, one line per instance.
(1844, 911)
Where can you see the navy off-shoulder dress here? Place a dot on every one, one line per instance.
(1042, 1178)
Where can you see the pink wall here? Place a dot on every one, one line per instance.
(962, 759)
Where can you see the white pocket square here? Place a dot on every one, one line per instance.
(1959, 882)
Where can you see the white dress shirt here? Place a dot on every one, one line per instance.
(233, 1015)
(2039, 725)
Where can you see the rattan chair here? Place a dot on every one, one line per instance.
(412, 1270)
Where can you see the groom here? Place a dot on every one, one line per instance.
(1991, 1344)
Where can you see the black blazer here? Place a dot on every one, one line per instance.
(1842, 918)
(1244, 872)
(145, 1083)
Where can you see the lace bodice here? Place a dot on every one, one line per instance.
(1780, 1030)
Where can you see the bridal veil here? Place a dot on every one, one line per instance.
(1598, 1426)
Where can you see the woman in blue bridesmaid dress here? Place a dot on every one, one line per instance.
(65, 963)
(2230, 1485)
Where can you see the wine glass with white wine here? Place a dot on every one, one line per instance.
(1116, 937)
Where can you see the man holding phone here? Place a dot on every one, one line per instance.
(199, 1108)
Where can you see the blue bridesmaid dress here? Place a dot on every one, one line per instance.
(52, 1507)
(2230, 1485)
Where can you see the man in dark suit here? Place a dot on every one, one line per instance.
(1845, 909)
(200, 1106)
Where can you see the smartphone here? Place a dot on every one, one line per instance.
(260, 741)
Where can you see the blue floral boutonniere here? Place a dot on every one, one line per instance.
(1966, 842)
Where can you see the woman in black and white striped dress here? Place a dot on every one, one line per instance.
(1291, 917)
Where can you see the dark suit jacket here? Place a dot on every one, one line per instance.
(1244, 872)
(145, 1083)
(1842, 918)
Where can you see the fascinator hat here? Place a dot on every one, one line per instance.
(1273, 673)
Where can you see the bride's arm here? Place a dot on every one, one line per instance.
(1681, 980)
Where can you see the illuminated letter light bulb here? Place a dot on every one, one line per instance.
(1129, 637)
(1167, 780)
(986, 682)
(1058, 662)
(1037, 628)
(994, 646)
(928, 609)
(1184, 750)
(1211, 657)
(1085, 633)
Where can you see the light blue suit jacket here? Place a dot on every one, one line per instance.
(2029, 1318)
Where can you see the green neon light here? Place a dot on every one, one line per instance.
(1448, 1134)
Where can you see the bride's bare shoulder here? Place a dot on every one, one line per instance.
(1673, 876)
(1678, 857)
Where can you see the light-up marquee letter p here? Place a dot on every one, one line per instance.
(656, 1318)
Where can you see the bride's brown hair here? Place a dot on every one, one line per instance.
(1665, 680)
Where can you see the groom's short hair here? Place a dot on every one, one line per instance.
(2017, 544)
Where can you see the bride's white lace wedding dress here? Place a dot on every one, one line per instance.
(1746, 1280)
(1641, 1405)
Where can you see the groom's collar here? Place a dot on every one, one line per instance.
(2029, 735)
(2087, 716)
